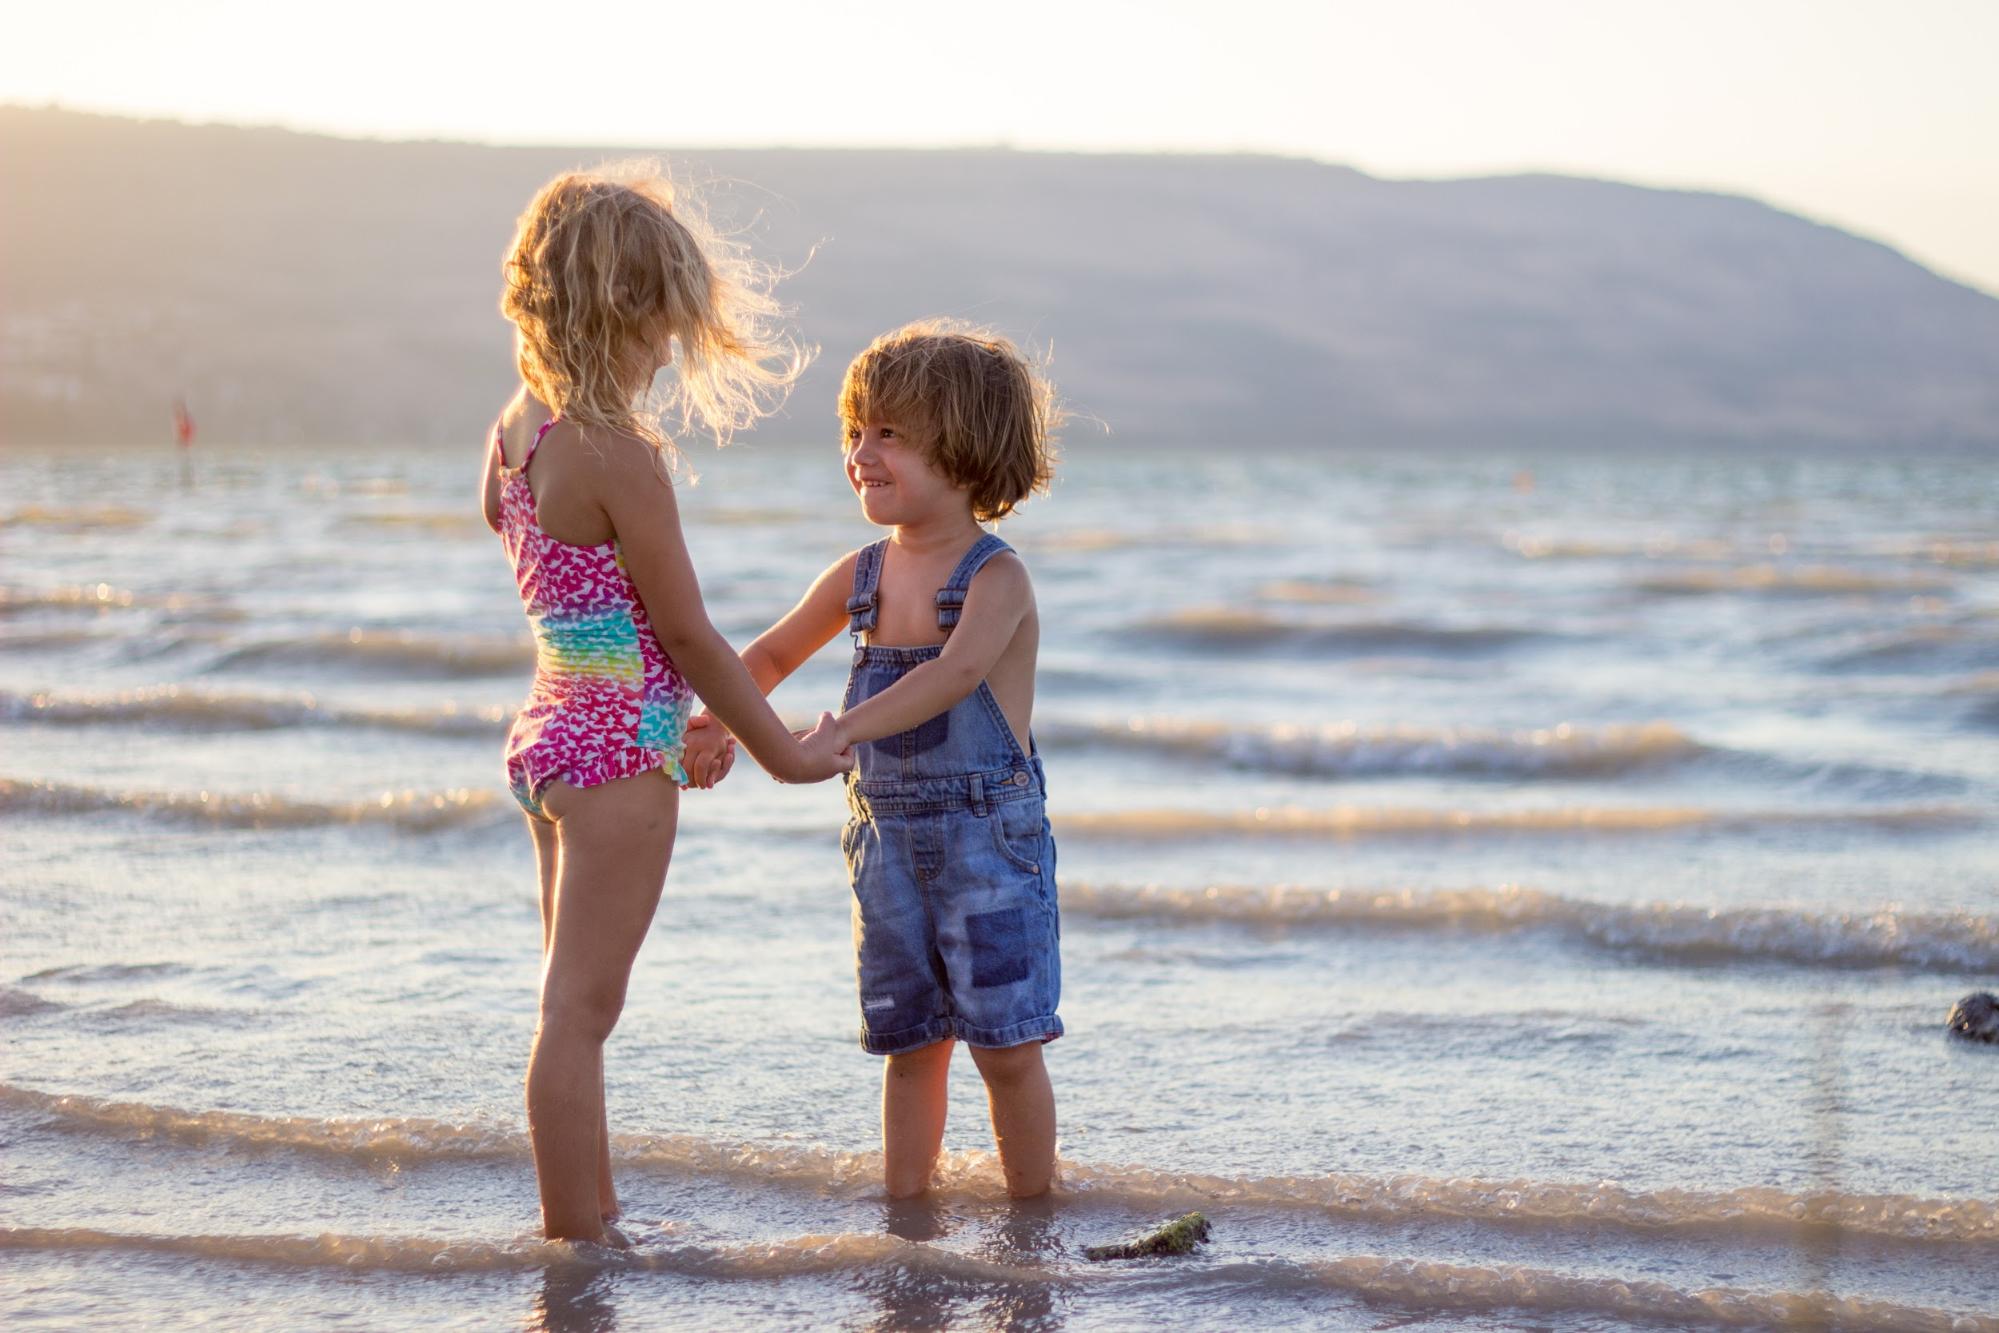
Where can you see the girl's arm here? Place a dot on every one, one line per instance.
(804, 630)
(489, 483)
(641, 506)
(995, 605)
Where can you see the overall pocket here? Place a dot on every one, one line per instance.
(1018, 829)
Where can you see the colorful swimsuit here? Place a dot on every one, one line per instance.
(607, 702)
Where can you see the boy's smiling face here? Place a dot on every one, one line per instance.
(892, 474)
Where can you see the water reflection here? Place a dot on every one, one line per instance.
(573, 1299)
(918, 1294)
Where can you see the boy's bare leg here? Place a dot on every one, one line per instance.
(616, 840)
(915, 1094)
(1023, 1108)
(548, 862)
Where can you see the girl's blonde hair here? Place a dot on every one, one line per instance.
(608, 264)
(985, 414)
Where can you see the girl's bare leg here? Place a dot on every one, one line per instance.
(1023, 1109)
(914, 1098)
(548, 860)
(614, 843)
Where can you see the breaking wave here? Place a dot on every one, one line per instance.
(390, 653)
(85, 519)
(101, 597)
(1372, 1198)
(1777, 580)
(1939, 941)
(1233, 629)
(1393, 821)
(177, 706)
(417, 812)
(1350, 750)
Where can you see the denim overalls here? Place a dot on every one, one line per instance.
(949, 854)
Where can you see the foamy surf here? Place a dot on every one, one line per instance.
(1390, 1199)
(1347, 749)
(411, 811)
(1888, 937)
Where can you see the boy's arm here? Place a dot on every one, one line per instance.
(803, 630)
(995, 605)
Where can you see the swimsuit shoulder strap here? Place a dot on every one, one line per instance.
(539, 435)
(951, 597)
(864, 607)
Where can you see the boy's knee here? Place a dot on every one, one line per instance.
(1008, 1065)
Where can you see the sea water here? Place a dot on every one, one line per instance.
(1499, 892)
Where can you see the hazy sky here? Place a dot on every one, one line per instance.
(1880, 117)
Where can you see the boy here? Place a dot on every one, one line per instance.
(948, 849)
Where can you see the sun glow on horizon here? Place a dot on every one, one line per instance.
(1878, 124)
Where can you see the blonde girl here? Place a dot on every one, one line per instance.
(609, 279)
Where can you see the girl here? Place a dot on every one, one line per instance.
(605, 279)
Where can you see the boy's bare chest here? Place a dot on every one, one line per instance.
(907, 616)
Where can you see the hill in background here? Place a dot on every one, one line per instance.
(310, 290)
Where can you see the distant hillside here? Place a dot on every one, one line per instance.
(307, 290)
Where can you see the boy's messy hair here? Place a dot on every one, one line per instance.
(986, 416)
(606, 264)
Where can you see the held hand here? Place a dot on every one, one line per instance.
(709, 752)
(823, 752)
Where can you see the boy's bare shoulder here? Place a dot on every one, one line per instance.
(1005, 575)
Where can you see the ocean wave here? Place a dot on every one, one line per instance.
(1349, 750)
(798, 1256)
(1235, 629)
(77, 519)
(1779, 581)
(1403, 1198)
(1659, 548)
(175, 706)
(434, 523)
(1967, 554)
(1393, 821)
(1317, 592)
(97, 598)
(1922, 648)
(1891, 936)
(1087, 541)
(18, 1003)
(1429, 1284)
(390, 653)
(1405, 1283)
(412, 811)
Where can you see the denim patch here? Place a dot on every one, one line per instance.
(929, 735)
(1000, 947)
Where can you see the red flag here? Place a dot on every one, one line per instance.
(183, 424)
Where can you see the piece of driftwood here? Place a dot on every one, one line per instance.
(1179, 1236)
(1975, 1018)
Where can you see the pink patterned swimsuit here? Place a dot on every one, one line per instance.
(607, 702)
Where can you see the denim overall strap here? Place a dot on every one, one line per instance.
(864, 607)
(951, 597)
